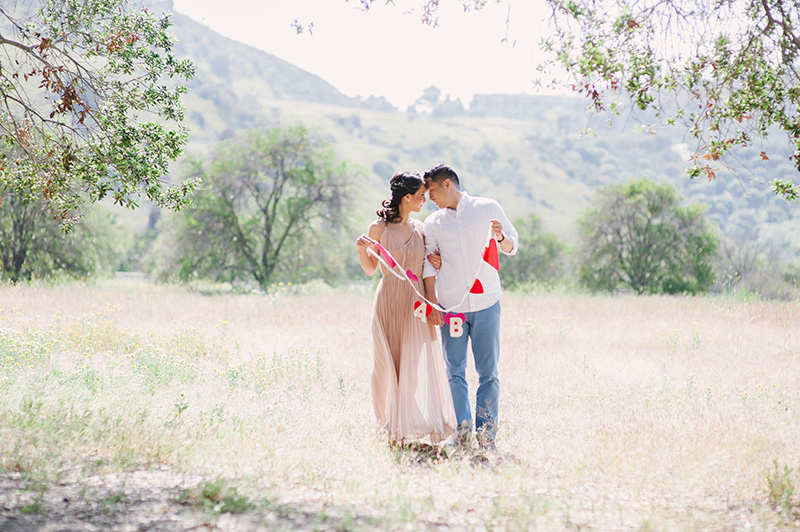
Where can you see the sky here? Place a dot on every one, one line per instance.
(387, 51)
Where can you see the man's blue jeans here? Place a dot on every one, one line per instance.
(483, 328)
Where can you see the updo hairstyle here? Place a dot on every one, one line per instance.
(400, 185)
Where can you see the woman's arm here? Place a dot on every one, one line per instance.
(368, 262)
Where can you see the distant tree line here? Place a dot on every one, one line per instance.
(272, 208)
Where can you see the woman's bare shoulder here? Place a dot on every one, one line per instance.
(376, 229)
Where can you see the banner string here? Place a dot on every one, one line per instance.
(392, 264)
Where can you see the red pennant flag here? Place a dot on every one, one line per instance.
(490, 254)
(477, 288)
(428, 309)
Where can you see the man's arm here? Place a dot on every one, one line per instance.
(504, 232)
(431, 247)
(429, 273)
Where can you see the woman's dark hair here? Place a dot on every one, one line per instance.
(400, 185)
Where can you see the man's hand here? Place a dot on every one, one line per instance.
(436, 318)
(505, 244)
(435, 260)
(497, 229)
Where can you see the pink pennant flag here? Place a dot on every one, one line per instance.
(449, 316)
(386, 255)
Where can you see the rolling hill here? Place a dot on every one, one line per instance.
(532, 153)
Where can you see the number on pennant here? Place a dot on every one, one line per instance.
(422, 311)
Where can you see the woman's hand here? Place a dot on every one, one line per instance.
(436, 318)
(435, 259)
(363, 243)
(368, 264)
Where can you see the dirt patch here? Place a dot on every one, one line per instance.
(151, 500)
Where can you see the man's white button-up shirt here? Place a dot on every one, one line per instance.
(461, 235)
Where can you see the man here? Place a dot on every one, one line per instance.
(467, 283)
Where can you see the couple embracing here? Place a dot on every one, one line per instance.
(443, 270)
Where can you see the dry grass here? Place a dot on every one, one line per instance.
(155, 405)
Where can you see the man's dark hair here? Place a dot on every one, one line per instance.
(441, 172)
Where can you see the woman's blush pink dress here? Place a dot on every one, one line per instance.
(410, 391)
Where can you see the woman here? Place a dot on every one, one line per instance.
(410, 392)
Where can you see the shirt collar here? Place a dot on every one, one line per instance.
(463, 201)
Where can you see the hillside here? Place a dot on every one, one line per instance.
(232, 78)
(526, 151)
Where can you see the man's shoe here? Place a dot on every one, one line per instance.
(485, 436)
(486, 444)
(463, 438)
(458, 440)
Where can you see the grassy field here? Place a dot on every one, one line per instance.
(129, 406)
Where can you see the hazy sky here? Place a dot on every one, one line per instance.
(388, 51)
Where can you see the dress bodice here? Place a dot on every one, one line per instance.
(409, 254)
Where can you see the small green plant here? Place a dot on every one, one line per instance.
(110, 505)
(670, 338)
(697, 339)
(216, 496)
(782, 491)
(31, 509)
(115, 498)
(180, 406)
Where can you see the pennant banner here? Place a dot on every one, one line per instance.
(423, 308)
(490, 254)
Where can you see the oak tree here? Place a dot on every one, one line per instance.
(540, 259)
(637, 236)
(33, 245)
(266, 196)
(87, 106)
(726, 71)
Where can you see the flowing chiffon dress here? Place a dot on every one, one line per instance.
(410, 391)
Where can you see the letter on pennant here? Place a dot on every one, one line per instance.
(456, 323)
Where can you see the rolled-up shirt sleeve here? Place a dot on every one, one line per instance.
(431, 245)
(509, 230)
